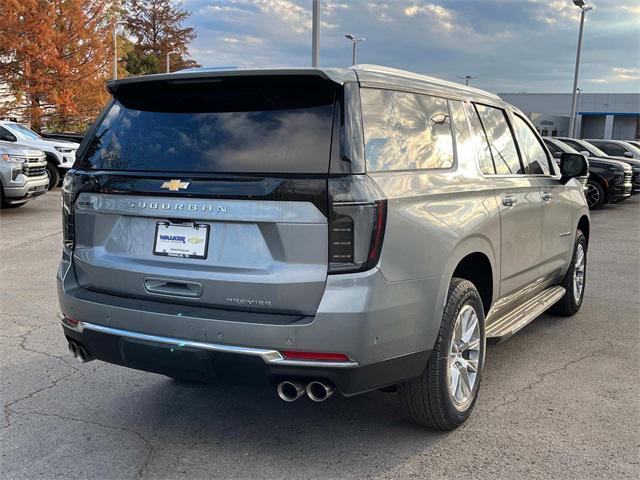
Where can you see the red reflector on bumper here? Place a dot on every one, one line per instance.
(70, 320)
(316, 356)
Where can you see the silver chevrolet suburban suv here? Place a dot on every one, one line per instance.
(320, 230)
(23, 174)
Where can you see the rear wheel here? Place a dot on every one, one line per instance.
(595, 194)
(446, 392)
(574, 280)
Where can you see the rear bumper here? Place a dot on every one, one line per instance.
(387, 328)
(219, 363)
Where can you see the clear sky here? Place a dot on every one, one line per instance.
(510, 45)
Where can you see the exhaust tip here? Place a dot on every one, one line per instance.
(83, 356)
(290, 391)
(319, 391)
(72, 348)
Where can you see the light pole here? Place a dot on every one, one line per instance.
(466, 79)
(315, 35)
(354, 42)
(168, 55)
(584, 8)
(115, 47)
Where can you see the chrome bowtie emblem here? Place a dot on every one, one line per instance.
(175, 185)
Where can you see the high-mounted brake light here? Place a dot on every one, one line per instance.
(315, 356)
(357, 220)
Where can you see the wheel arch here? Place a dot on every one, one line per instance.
(475, 260)
(584, 225)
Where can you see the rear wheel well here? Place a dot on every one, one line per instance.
(583, 226)
(476, 268)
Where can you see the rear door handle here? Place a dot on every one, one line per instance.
(546, 196)
(509, 201)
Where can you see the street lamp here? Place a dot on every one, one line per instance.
(584, 8)
(466, 79)
(168, 55)
(354, 42)
(115, 47)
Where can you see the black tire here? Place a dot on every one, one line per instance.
(569, 305)
(54, 175)
(427, 399)
(595, 194)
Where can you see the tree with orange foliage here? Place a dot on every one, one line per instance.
(54, 56)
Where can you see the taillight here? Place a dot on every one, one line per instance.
(357, 219)
(69, 194)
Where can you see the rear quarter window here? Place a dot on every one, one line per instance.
(406, 131)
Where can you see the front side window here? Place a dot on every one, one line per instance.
(534, 155)
(6, 135)
(503, 146)
(26, 132)
(406, 131)
(555, 151)
(612, 149)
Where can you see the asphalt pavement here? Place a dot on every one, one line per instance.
(561, 399)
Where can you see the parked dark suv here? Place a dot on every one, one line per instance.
(321, 230)
(593, 151)
(609, 181)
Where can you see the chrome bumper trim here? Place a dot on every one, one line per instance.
(271, 357)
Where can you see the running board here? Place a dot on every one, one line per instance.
(514, 320)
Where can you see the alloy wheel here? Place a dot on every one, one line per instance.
(578, 273)
(593, 195)
(464, 358)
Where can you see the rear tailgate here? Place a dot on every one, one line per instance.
(212, 194)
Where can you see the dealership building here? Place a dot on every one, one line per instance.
(599, 115)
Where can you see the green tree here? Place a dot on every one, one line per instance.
(156, 28)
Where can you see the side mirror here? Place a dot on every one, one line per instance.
(628, 154)
(573, 165)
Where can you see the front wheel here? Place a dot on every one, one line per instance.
(595, 194)
(574, 280)
(446, 392)
(53, 174)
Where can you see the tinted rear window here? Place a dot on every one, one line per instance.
(234, 125)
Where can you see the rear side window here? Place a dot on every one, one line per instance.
(503, 146)
(232, 125)
(533, 153)
(464, 141)
(406, 131)
(480, 142)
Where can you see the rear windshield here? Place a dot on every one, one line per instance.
(232, 125)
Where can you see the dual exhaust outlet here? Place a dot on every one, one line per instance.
(79, 351)
(318, 391)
